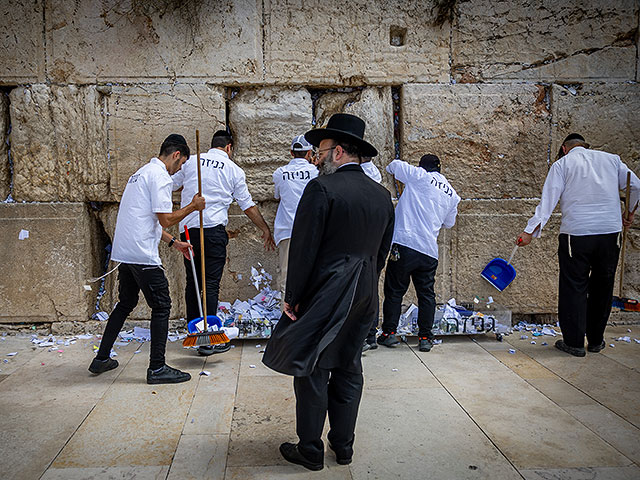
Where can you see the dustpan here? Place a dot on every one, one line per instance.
(499, 272)
(192, 326)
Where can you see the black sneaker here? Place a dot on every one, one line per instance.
(388, 339)
(291, 454)
(575, 351)
(342, 458)
(167, 375)
(101, 366)
(366, 347)
(207, 350)
(596, 348)
(425, 344)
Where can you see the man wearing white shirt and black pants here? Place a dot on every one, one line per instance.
(222, 183)
(289, 183)
(371, 170)
(145, 208)
(586, 183)
(427, 204)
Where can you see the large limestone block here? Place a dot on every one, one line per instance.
(631, 278)
(129, 40)
(21, 41)
(375, 107)
(486, 229)
(171, 262)
(544, 41)
(492, 139)
(59, 143)
(263, 123)
(42, 277)
(246, 250)
(354, 43)
(141, 117)
(5, 172)
(607, 116)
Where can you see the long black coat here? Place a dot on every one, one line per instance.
(341, 237)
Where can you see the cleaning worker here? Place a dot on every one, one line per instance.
(586, 182)
(427, 204)
(145, 209)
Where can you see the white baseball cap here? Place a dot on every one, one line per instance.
(300, 144)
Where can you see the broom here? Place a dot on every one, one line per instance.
(204, 338)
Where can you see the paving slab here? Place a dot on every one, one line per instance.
(47, 402)
(251, 364)
(606, 473)
(263, 418)
(147, 431)
(523, 365)
(426, 435)
(529, 429)
(25, 352)
(99, 473)
(396, 368)
(212, 407)
(561, 392)
(200, 456)
(290, 472)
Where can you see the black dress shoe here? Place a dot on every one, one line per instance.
(596, 348)
(166, 374)
(207, 350)
(291, 454)
(101, 366)
(341, 458)
(575, 351)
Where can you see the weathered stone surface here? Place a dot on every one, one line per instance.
(375, 107)
(631, 277)
(607, 116)
(42, 277)
(486, 229)
(58, 143)
(21, 41)
(263, 123)
(5, 172)
(142, 116)
(354, 43)
(492, 139)
(544, 41)
(110, 40)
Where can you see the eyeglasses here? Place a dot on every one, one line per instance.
(316, 153)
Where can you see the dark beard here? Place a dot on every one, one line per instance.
(327, 166)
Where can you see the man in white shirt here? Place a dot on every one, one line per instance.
(289, 183)
(145, 209)
(222, 183)
(371, 170)
(427, 204)
(587, 184)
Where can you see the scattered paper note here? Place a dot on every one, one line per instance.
(24, 234)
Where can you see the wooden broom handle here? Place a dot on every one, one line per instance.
(201, 214)
(624, 231)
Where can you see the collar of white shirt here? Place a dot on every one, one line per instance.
(218, 151)
(157, 161)
(345, 164)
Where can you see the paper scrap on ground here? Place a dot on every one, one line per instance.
(23, 235)
(12, 354)
(205, 373)
(623, 339)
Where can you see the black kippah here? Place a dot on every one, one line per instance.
(574, 136)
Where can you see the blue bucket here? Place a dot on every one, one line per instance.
(499, 272)
(211, 321)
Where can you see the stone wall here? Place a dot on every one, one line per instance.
(89, 89)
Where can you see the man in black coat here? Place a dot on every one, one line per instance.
(341, 237)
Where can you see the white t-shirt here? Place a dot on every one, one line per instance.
(427, 203)
(371, 171)
(138, 230)
(222, 183)
(290, 181)
(587, 184)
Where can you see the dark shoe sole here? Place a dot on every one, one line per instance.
(206, 353)
(425, 349)
(98, 367)
(290, 453)
(341, 460)
(387, 343)
(576, 352)
(597, 348)
(160, 381)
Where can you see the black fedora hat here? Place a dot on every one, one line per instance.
(343, 126)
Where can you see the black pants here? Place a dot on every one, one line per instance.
(155, 288)
(215, 256)
(419, 268)
(587, 275)
(336, 392)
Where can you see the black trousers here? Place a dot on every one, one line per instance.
(155, 288)
(419, 268)
(587, 275)
(336, 392)
(215, 256)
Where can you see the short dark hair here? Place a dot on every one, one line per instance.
(221, 139)
(349, 148)
(431, 163)
(299, 153)
(174, 143)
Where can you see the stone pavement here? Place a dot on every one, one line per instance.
(469, 409)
